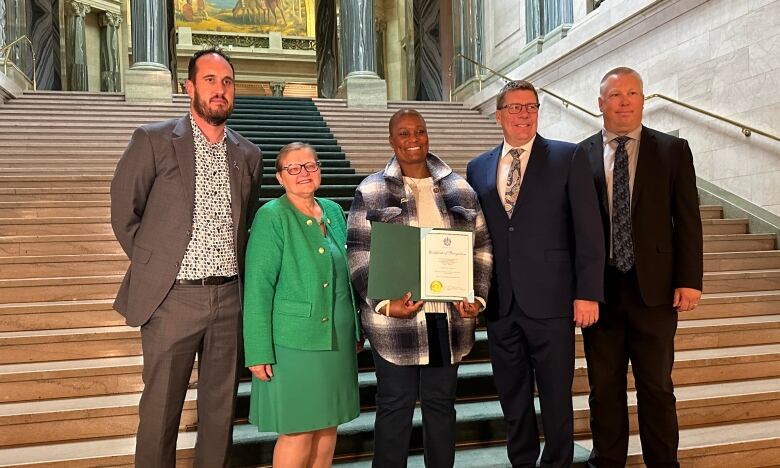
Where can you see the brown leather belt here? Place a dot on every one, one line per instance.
(208, 281)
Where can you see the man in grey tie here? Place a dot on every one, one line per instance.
(542, 213)
(652, 228)
(182, 198)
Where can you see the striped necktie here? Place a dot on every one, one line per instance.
(513, 181)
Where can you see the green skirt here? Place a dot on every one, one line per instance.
(313, 390)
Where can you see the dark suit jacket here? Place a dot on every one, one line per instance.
(152, 201)
(665, 216)
(552, 250)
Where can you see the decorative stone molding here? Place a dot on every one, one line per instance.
(277, 88)
(78, 9)
(108, 19)
(260, 42)
(298, 44)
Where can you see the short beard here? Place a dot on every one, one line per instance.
(214, 118)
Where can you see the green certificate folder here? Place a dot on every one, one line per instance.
(434, 264)
(394, 266)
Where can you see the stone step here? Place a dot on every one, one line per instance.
(483, 421)
(46, 114)
(45, 95)
(71, 379)
(98, 193)
(114, 452)
(53, 421)
(54, 180)
(749, 260)
(43, 144)
(385, 114)
(738, 242)
(32, 316)
(725, 226)
(46, 210)
(736, 304)
(69, 344)
(743, 444)
(741, 281)
(54, 226)
(339, 103)
(64, 106)
(345, 131)
(58, 244)
(41, 121)
(67, 130)
(711, 211)
(62, 265)
(60, 288)
(476, 421)
(442, 148)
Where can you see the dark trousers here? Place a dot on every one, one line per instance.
(629, 330)
(523, 349)
(202, 320)
(399, 387)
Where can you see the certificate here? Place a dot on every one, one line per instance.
(434, 264)
(446, 265)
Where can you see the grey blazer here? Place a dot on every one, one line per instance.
(152, 201)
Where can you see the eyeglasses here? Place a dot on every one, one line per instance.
(532, 108)
(295, 169)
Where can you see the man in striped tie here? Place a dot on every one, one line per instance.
(542, 213)
(653, 234)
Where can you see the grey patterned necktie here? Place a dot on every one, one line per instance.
(513, 181)
(622, 243)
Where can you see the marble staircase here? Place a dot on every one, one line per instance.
(70, 370)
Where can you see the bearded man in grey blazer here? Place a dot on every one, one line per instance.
(182, 197)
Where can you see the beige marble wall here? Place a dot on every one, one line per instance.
(720, 55)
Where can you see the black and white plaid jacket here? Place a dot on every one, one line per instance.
(382, 196)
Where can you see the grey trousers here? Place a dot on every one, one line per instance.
(202, 320)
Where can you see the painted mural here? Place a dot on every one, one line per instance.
(243, 16)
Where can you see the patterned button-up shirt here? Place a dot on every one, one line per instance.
(212, 249)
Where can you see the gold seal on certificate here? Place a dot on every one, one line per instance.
(446, 259)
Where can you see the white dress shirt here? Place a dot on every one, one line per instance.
(506, 162)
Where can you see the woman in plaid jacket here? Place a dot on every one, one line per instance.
(416, 346)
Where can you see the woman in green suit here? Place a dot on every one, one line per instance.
(300, 319)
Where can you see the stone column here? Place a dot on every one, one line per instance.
(109, 52)
(149, 78)
(13, 24)
(362, 87)
(77, 46)
(327, 66)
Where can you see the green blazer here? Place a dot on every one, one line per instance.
(288, 284)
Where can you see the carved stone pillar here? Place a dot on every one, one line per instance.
(109, 52)
(13, 24)
(148, 78)
(327, 65)
(381, 28)
(77, 46)
(277, 88)
(362, 87)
